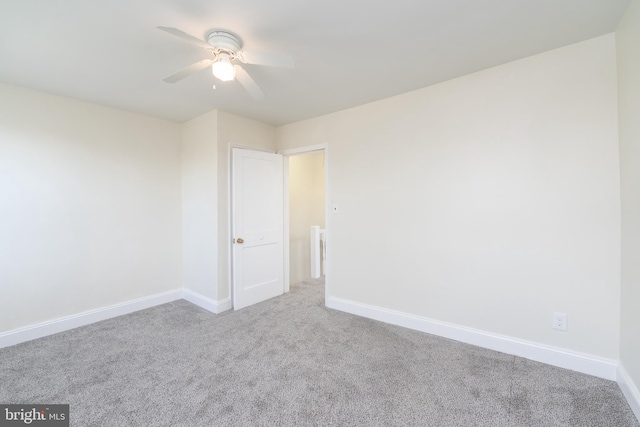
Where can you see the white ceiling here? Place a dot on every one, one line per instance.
(347, 52)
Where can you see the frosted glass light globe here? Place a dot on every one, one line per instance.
(223, 69)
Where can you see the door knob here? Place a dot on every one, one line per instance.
(239, 240)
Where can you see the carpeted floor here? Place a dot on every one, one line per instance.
(292, 362)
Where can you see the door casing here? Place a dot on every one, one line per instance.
(286, 154)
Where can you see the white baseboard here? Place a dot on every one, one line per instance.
(585, 363)
(39, 330)
(205, 302)
(630, 390)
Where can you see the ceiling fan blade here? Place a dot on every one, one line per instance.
(184, 36)
(249, 84)
(271, 59)
(186, 72)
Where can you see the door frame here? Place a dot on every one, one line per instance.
(327, 218)
(327, 212)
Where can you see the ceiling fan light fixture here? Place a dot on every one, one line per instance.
(225, 48)
(223, 69)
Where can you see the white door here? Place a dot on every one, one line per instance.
(257, 209)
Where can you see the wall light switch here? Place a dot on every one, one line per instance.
(335, 209)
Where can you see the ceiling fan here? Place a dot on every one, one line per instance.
(225, 48)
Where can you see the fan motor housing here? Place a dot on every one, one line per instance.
(225, 40)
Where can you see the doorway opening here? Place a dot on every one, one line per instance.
(306, 217)
(277, 199)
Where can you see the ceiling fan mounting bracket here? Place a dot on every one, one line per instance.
(224, 41)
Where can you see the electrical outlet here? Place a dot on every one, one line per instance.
(560, 321)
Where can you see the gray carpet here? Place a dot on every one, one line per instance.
(292, 362)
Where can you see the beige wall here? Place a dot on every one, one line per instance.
(628, 38)
(200, 205)
(306, 208)
(488, 201)
(238, 132)
(89, 206)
